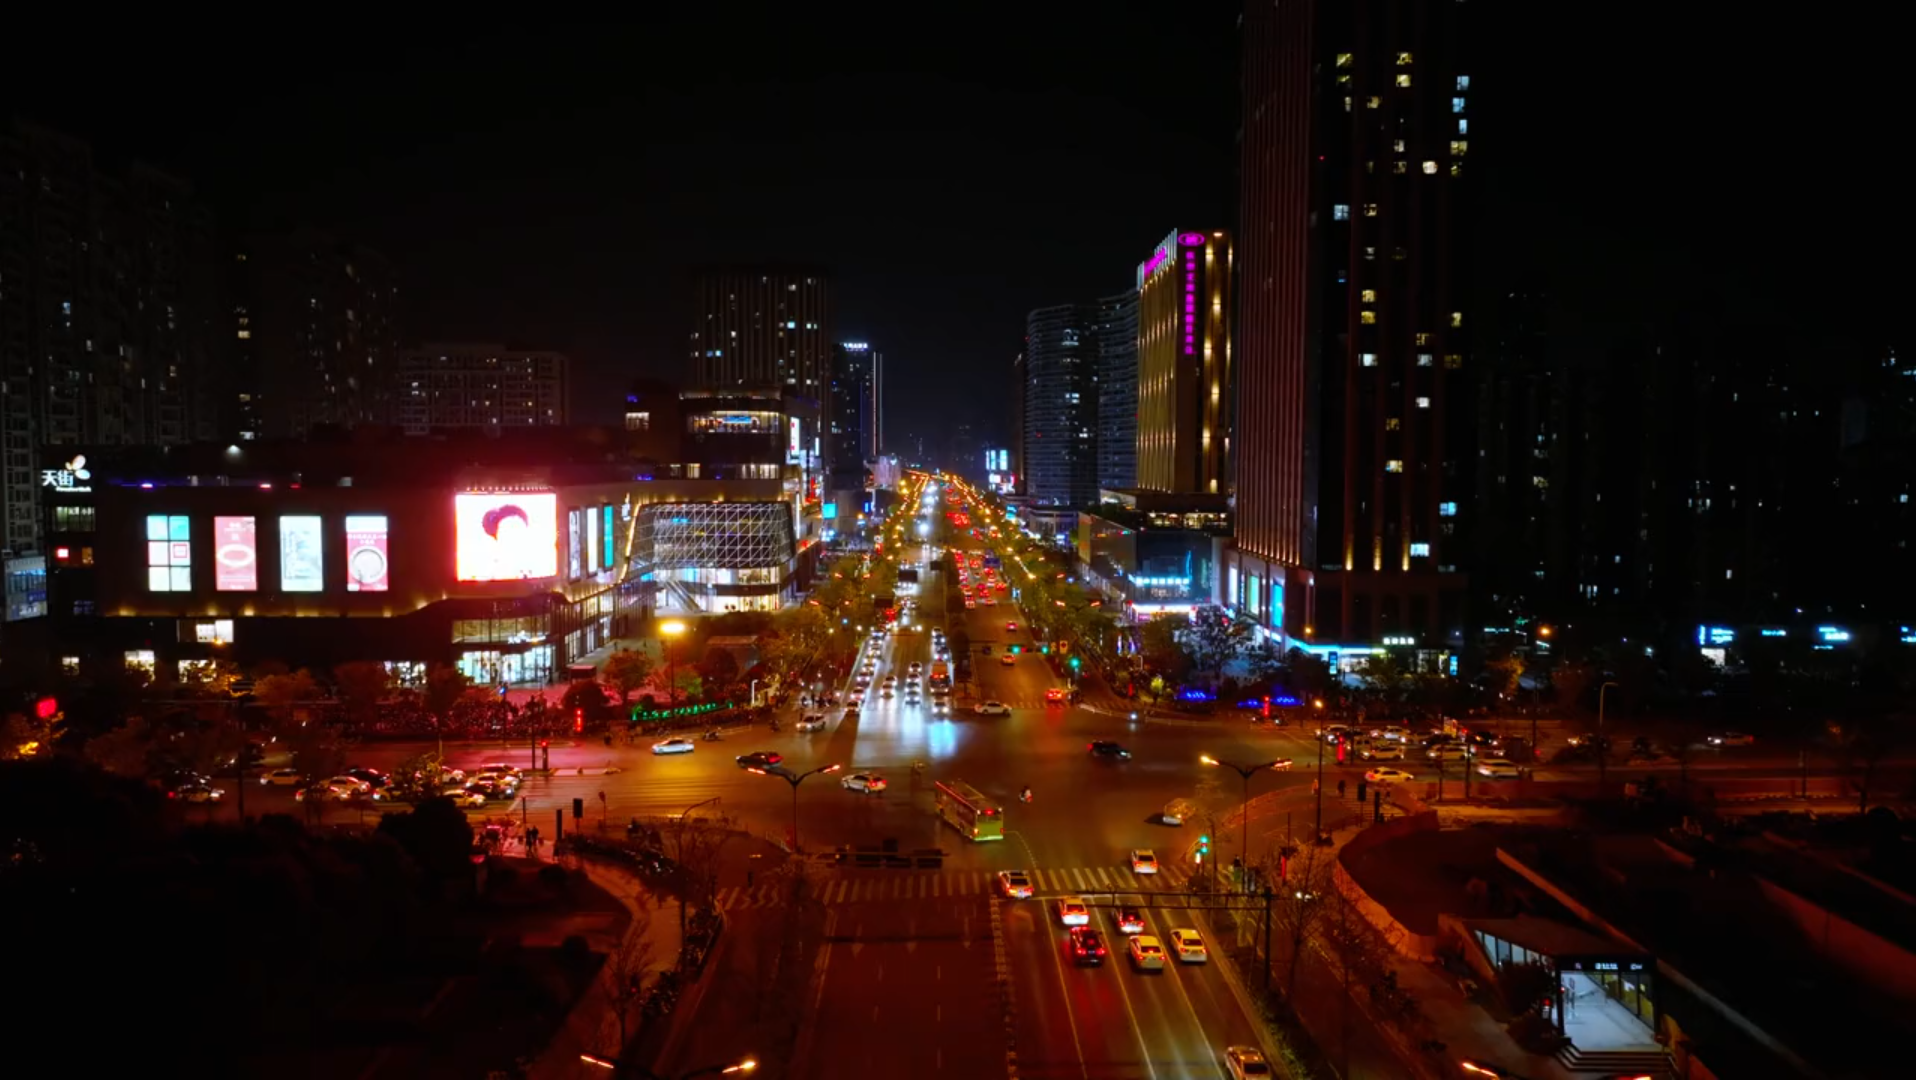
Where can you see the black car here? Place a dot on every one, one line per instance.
(374, 778)
(759, 759)
(1105, 748)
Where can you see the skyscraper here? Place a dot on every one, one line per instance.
(111, 331)
(856, 410)
(1353, 413)
(763, 328)
(1184, 364)
(1117, 330)
(1061, 405)
(315, 327)
(445, 387)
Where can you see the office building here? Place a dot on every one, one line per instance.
(479, 387)
(1061, 405)
(1018, 483)
(1184, 409)
(315, 329)
(111, 328)
(857, 413)
(763, 328)
(1354, 414)
(1117, 330)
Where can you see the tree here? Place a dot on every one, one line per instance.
(1865, 742)
(1215, 638)
(719, 670)
(418, 778)
(27, 736)
(316, 748)
(362, 684)
(125, 750)
(625, 671)
(445, 687)
(1264, 660)
(281, 694)
(688, 685)
(437, 836)
(584, 696)
(1385, 675)
(1308, 676)
(1300, 901)
(1505, 675)
(1159, 641)
(626, 966)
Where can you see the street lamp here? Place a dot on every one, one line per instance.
(1244, 807)
(669, 632)
(795, 779)
(1603, 748)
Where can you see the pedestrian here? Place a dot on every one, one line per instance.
(1340, 787)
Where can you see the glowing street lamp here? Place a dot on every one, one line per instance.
(669, 632)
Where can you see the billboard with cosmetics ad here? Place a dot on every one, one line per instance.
(505, 535)
(366, 553)
(236, 554)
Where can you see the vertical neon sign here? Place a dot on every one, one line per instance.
(1190, 240)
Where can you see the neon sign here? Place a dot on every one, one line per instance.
(1192, 239)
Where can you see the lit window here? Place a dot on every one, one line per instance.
(1423, 337)
(1368, 359)
(1400, 166)
(1347, 103)
(1343, 59)
(1446, 509)
(1403, 78)
(1403, 59)
(1392, 424)
(1373, 102)
(1398, 146)
(1420, 550)
(1456, 318)
(1456, 104)
(1344, 80)
(1463, 83)
(1423, 359)
(1459, 147)
(1430, 168)
(1368, 318)
(245, 335)
(1399, 253)
(169, 553)
(1540, 481)
(1368, 296)
(1370, 209)
(1423, 403)
(1370, 254)
(1453, 361)
(1456, 168)
(1463, 126)
(1394, 466)
(1341, 212)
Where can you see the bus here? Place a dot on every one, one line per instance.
(966, 809)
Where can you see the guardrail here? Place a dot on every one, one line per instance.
(888, 857)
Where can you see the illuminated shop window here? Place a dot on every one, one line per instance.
(169, 553)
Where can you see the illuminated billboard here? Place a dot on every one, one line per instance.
(367, 555)
(301, 566)
(505, 535)
(591, 541)
(235, 554)
(574, 532)
(611, 530)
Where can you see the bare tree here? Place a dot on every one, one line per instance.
(626, 966)
(1300, 902)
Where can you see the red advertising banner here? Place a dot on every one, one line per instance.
(367, 560)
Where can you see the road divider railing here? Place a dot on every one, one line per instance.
(887, 856)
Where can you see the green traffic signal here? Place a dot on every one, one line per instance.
(1074, 663)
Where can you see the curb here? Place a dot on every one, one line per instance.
(1007, 996)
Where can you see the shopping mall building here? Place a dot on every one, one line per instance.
(408, 552)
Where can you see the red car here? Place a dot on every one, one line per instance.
(1130, 920)
(1012, 627)
(1054, 694)
(1087, 945)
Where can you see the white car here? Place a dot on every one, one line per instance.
(812, 722)
(1190, 947)
(868, 783)
(1144, 861)
(1072, 911)
(281, 778)
(1498, 769)
(674, 745)
(463, 798)
(1388, 775)
(1246, 1063)
(1147, 953)
(993, 708)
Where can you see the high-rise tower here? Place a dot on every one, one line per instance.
(1184, 364)
(763, 328)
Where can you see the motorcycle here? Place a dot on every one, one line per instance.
(775, 726)
(712, 736)
(1025, 796)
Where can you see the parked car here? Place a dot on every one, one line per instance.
(281, 778)
(1498, 769)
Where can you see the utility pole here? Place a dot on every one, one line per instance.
(1244, 810)
(1318, 837)
(1603, 745)
(1267, 938)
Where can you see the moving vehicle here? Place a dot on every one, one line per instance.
(1144, 861)
(1014, 885)
(1130, 919)
(1177, 810)
(993, 708)
(337, 789)
(195, 791)
(1011, 627)
(677, 744)
(1147, 953)
(1498, 769)
(1105, 748)
(1387, 775)
(758, 759)
(281, 778)
(966, 809)
(1008, 660)
(1246, 1063)
(869, 783)
(1072, 911)
(1190, 947)
(1087, 946)
(1732, 738)
(1054, 694)
(812, 722)
(1382, 751)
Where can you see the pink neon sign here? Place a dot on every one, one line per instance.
(1192, 239)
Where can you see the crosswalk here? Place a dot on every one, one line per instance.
(879, 886)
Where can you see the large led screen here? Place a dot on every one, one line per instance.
(611, 530)
(301, 567)
(236, 554)
(505, 536)
(575, 537)
(366, 553)
(591, 541)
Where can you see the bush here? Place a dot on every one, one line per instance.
(553, 876)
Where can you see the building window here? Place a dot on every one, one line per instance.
(1341, 212)
(638, 421)
(1423, 359)
(1423, 403)
(169, 553)
(73, 519)
(1368, 359)
(1456, 104)
(1403, 78)
(1394, 465)
(1393, 423)
(1373, 102)
(1463, 126)
(1403, 59)
(1370, 254)
(1453, 361)
(1463, 83)
(1343, 59)
(1367, 317)
(1446, 509)
(1370, 209)
(1420, 550)
(1456, 168)
(1459, 147)
(1397, 146)
(1423, 337)
(1430, 168)
(1400, 167)
(1368, 296)
(1456, 319)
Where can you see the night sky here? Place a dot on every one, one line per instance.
(549, 185)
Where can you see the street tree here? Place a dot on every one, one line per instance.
(626, 671)
(445, 687)
(626, 966)
(1265, 660)
(1505, 674)
(1300, 902)
(26, 735)
(1384, 674)
(1160, 642)
(124, 751)
(584, 696)
(1307, 675)
(362, 684)
(282, 695)
(1215, 638)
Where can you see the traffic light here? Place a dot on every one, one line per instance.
(578, 809)
(1075, 663)
(1204, 848)
(1016, 648)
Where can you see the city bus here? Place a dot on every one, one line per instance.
(966, 809)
